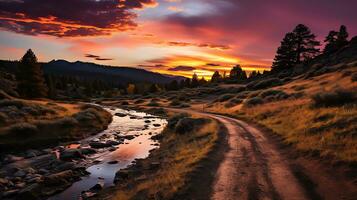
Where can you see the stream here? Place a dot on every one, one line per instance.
(140, 126)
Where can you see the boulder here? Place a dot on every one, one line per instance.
(98, 145)
(12, 158)
(30, 192)
(71, 154)
(60, 178)
(120, 114)
(113, 162)
(33, 153)
(122, 175)
(157, 125)
(87, 151)
(112, 142)
(97, 187)
(147, 121)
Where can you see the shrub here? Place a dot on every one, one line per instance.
(175, 102)
(139, 101)
(271, 95)
(224, 97)
(171, 123)
(253, 101)
(271, 82)
(338, 97)
(187, 124)
(153, 103)
(16, 103)
(22, 130)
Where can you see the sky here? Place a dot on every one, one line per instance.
(178, 37)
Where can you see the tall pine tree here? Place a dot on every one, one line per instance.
(237, 73)
(285, 56)
(296, 47)
(30, 79)
(216, 77)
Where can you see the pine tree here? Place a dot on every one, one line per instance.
(330, 40)
(285, 56)
(153, 88)
(305, 42)
(342, 37)
(216, 77)
(31, 82)
(194, 80)
(237, 73)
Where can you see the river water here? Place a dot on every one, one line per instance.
(140, 124)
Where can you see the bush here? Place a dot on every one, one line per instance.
(271, 82)
(16, 103)
(271, 95)
(253, 101)
(338, 97)
(171, 123)
(187, 125)
(224, 97)
(22, 130)
(153, 103)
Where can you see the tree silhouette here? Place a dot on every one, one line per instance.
(306, 43)
(29, 75)
(285, 56)
(336, 40)
(194, 80)
(237, 73)
(296, 47)
(216, 77)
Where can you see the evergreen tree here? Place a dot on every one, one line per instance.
(52, 91)
(330, 40)
(202, 81)
(187, 82)
(237, 73)
(342, 37)
(296, 47)
(305, 42)
(31, 82)
(194, 80)
(173, 85)
(216, 77)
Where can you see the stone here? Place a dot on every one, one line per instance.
(113, 149)
(147, 121)
(71, 154)
(30, 192)
(112, 142)
(157, 125)
(87, 195)
(113, 162)
(12, 158)
(99, 145)
(43, 171)
(20, 173)
(20, 185)
(33, 153)
(97, 187)
(87, 151)
(58, 178)
(30, 170)
(120, 114)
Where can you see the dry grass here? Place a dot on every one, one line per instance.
(179, 156)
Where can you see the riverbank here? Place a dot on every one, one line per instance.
(28, 124)
(88, 163)
(184, 164)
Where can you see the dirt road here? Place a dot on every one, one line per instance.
(255, 168)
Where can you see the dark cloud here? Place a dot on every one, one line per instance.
(69, 17)
(182, 68)
(212, 64)
(95, 57)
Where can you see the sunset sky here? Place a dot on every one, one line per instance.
(169, 36)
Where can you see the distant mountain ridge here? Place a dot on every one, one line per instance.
(86, 70)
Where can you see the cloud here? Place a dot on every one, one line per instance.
(182, 68)
(202, 45)
(70, 17)
(95, 57)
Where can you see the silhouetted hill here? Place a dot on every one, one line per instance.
(100, 72)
